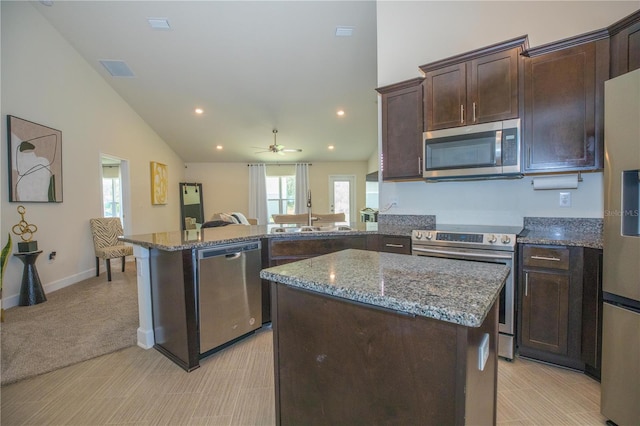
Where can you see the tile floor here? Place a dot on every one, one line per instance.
(235, 387)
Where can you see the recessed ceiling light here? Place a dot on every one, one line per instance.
(218, 147)
(199, 110)
(340, 113)
(331, 147)
(159, 23)
(344, 31)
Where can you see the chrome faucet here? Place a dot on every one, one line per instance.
(309, 218)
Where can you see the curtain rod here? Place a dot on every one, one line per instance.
(277, 164)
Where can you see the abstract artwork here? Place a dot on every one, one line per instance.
(35, 162)
(159, 183)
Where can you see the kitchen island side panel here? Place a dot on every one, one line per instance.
(173, 304)
(343, 362)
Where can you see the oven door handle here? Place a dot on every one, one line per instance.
(465, 254)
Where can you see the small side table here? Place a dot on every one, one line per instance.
(31, 292)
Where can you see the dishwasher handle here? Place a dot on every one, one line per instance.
(230, 251)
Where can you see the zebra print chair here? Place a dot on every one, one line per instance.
(105, 231)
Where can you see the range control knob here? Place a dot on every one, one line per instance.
(419, 235)
(505, 239)
(492, 239)
(429, 236)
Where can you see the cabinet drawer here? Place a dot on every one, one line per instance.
(308, 247)
(400, 245)
(546, 257)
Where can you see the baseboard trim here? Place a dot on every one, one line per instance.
(145, 338)
(11, 301)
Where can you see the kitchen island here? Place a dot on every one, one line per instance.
(363, 337)
(168, 279)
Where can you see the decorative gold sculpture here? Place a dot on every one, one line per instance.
(25, 231)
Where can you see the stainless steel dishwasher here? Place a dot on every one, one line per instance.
(229, 293)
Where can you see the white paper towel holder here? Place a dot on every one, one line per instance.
(556, 182)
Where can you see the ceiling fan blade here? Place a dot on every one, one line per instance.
(291, 150)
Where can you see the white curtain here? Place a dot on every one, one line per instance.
(258, 193)
(302, 187)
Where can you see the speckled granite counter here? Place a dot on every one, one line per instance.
(181, 240)
(455, 291)
(581, 232)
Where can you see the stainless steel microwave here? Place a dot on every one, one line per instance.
(480, 151)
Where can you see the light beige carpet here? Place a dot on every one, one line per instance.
(82, 321)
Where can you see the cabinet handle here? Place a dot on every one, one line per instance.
(419, 166)
(553, 259)
(474, 112)
(526, 284)
(461, 114)
(394, 245)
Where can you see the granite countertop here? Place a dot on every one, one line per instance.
(455, 291)
(181, 240)
(582, 232)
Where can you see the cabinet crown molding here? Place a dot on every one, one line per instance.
(400, 85)
(566, 43)
(625, 22)
(522, 42)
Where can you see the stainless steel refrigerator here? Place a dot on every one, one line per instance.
(620, 400)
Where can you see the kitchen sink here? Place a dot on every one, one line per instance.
(310, 229)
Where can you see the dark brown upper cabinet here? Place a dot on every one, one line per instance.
(475, 87)
(563, 104)
(402, 113)
(625, 45)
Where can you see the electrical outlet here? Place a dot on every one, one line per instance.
(565, 199)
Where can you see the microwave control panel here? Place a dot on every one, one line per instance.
(510, 147)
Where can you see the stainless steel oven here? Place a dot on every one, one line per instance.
(480, 244)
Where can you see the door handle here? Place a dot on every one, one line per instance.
(419, 165)
(232, 256)
(526, 284)
(461, 114)
(474, 112)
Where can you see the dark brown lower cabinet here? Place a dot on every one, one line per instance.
(560, 310)
(592, 312)
(342, 362)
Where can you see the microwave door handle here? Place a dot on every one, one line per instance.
(498, 148)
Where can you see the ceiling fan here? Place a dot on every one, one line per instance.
(277, 149)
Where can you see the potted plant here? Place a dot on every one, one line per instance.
(3, 264)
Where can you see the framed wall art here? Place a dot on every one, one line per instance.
(35, 162)
(159, 183)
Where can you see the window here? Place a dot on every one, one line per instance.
(111, 197)
(281, 195)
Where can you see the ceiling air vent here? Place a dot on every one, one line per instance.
(118, 68)
(159, 23)
(344, 31)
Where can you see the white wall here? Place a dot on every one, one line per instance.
(46, 81)
(225, 186)
(411, 34)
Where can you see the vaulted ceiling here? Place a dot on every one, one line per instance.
(252, 67)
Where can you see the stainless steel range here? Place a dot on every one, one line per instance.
(493, 244)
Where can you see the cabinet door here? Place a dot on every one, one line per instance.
(493, 87)
(560, 97)
(446, 97)
(625, 48)
(402, 115)
(545, 311)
